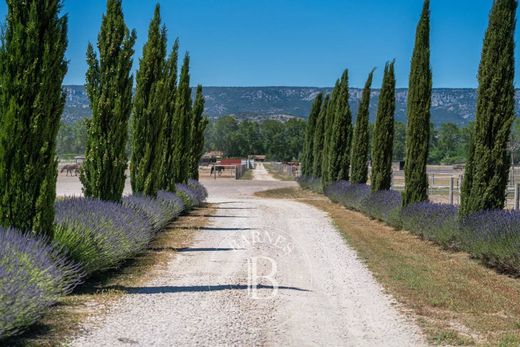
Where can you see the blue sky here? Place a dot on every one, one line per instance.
(296, 42)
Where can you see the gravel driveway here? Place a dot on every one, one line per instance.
(264, 272)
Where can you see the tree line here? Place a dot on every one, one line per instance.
(280, 141)
(335, 149)
(166, 132)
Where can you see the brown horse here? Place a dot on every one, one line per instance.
(71, 168)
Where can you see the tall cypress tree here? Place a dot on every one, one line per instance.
(32, 68)
(327, 134)
(319, 138)
(360, 140)
(182, 125)
(382, 145)
(418, 108)
(168, 134)
(109, 88)
(486, 176)
(341, 135)
(148, 112)
(307, 157)
(198, 128)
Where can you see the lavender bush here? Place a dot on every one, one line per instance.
(199, 190)
(384, 205)
(312, 183)
(434, 222)
(99, 234)
(172, 202)
(33, 276)
(348, 194)
(158, 214)
(494, 237)
(189, 198)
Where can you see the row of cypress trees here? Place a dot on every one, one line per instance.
(328, 151)
(166, 129)
(167, 134)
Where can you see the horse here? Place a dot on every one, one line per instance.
(219, 169)
(72, 168)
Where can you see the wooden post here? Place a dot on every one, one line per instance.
(459, 188)
(433, 179)
(517, 196)
(452, 180)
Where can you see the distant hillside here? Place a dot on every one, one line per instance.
(448, 105)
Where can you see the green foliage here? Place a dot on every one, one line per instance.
(319, 138)
(327, 134)
(340, 138)
(32, 68)
(72, 138)
(360, 141)
(449, 144)
(109, 88)
(198, 128)
(167, 174)
(182, 125)
(486, 176)
(383, 140)
(418, 109)
(307, 156)
(399, 141)
(148, 112)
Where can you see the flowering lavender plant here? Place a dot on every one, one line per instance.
(172, 202)
(434, 222)
(199, 190)
(158, 214)
(33, 276)
(189, 198)
(348, 194)
(312, 183)
(100, 234)
(384, 205)
(494, 237)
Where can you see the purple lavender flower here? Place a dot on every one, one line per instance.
(199, 190)
(384, 205)
(189, 198)
(434, 222)
(33, 276)
(348, 194)
(172, 202)
(312, 183)
(100, 234)
(157, 213)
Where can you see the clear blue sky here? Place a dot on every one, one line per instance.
(297, 42)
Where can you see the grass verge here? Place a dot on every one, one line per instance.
(94, 298)
(456, 300)
(247, 176)
(276, 174)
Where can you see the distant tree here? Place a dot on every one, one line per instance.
(418, 109)
(72, 138)
(148, 112)
(485, 179)
(319, 138)
(109, 88)
(399, 141)
(182, 125)
(307, 157)
(327, 134)
(169, 94)
(32, 68)
(341, 135)
(383, 140)
(198, 128)
(360, 141)
(294, 132)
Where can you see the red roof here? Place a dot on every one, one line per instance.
(231, 161)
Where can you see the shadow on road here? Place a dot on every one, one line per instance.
(194, 289)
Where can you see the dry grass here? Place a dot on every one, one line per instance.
(248, 175)
(93, 297)
(456, 300)
(276, 174)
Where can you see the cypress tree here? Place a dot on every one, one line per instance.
(182, 125)
(307, 157)
(382, 147)
(148, 112)
(327, 134)
(198, 128)
(486, 175)
(360, 140)
(341, 135)
(32, 68)
(168, 135)
(109, 88)
(418, 109)
(319, 138)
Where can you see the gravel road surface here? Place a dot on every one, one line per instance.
(263, 272)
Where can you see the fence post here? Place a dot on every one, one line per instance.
(517, 196)
(452, 180)
(433, 179)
